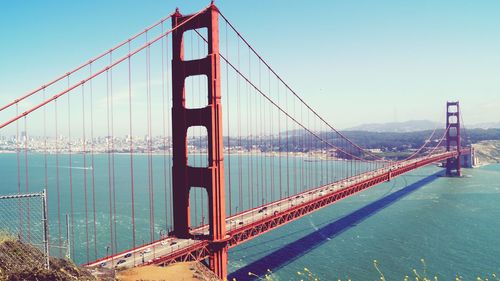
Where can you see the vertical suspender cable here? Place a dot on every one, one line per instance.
(26, 182)
(149, 140)
(164, 117)
(308, 165)
(272, 139)
(131, 150)
(45, 145)
(279, 141)
(228, 107)
(302, 157)
(255, 146)
(261, 143)
(317, 161)
(85, 174)
(92, 144)
(110, 190)
(57, 181)
(249, 139)
(113, 186)
(45, 168)
(263, 146)
(18, 151)
(169, 130)
(257, 140)
(294, 151)
(71, 177)
(240, 169)
(287, 151)
(324, 172)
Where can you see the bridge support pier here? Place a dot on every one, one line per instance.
(184, 176)
(453, 165)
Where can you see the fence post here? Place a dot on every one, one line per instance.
(45, 228)
(68, 242)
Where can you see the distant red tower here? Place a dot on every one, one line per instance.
(453, 167)
(184, 176)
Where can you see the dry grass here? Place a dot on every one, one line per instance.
(21, 261)
(4, 236)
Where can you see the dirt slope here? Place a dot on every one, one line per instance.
(21, 261)
(186, 271)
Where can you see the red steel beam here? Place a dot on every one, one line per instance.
(196, 252)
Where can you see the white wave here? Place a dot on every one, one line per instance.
(317, 229)
(76, 167)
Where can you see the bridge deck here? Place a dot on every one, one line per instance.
(249, 224)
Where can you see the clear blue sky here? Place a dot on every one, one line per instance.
(372, 61)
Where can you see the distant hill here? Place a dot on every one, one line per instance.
(487, 125)
(414, 126)
(487, 152)
(397, 127)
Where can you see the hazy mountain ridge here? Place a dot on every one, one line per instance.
(486, 125)
(396, 127)
(414, 126)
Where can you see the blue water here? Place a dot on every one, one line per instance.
(452, 223)
(114, 185)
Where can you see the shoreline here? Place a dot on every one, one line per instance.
(245, 153)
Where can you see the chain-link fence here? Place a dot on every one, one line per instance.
(23, 232)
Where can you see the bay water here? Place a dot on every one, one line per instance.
(451, 223)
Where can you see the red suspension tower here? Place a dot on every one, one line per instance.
(210, 178)
(453, 167)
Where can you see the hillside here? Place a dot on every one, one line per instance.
(487, 152)
(414, 126)
(397, 127)
(301, 141)
(20, 261)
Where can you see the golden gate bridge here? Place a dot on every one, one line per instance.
(239, 154)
